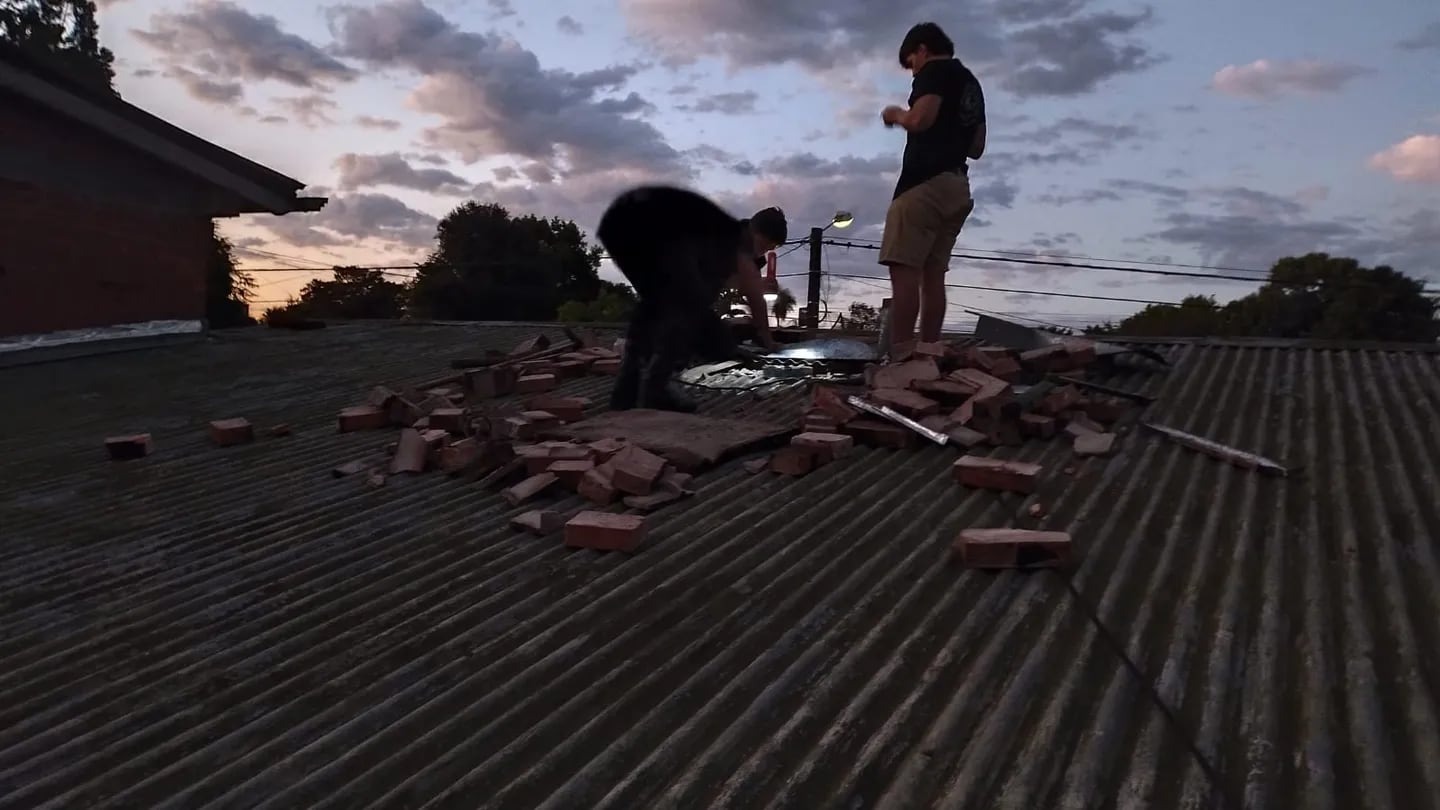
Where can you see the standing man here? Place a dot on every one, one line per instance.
(679, 251)
(944, 125)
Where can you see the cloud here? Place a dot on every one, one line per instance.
(1033, 48)
(372, 122)
(203, 88)
(225, 43)
(725, 103)
(569, 25)
(1427, 39)
(1415, 159)
(495, 98)
(392, 169)
(310, 111)
(1264, 80)
(349, 219)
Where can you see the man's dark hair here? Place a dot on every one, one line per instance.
(770, 223)
(931, 36)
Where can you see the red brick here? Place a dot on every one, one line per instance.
(991, 473)
(381, 397)
(431, 404)
(907, 403)
(402, 412)
(1006, 368)
(569, 369)
(876, 433)
(127, 448)
(636, 470)
(362, 417)
(1045, 359)
(1078, 424)
(566, 409)
(905, 375)
(529, 488)
(412, 454)
(349, 468)
(976, 379)
(832, 403)
(605, 449)
(448, 419)
(1060, 400)
(819, 423)
(1012, 548)
(1079, 352)
(606, 366)
(598, 487)
(827, 446)
(531, 345)
(459, 456)
(1037, 425)
(793, 461)
(278, 431)
(682, 483)
(570, 472)
(1094, 444)
(486, 383)
(541, 421)
(230, 432)
(535, 383)
(539, 521)
(605, 531)
(653, 501)
(536, 367)
(375, 479)
(1107, 410)
(1000, 432)
(756, 466)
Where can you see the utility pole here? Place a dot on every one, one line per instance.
(812, 303)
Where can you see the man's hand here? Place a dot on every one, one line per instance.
(892, 115)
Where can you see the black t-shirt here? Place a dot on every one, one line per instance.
(942, 147)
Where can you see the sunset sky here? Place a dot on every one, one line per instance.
(1192, 133)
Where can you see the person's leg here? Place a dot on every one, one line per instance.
(909, 232)
(677, 326)
(954, 205)
(640, 339)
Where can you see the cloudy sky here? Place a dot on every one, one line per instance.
(1179, 133)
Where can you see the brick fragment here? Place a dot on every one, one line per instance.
(375, 479)
(566, 409)
(605, 449)
(230, 432)
(635, 470)
(531, 345)
(1045, 359)
(570, 472)
(1060, 400)
(431, 404)
(906, 374)
(128, 448)
(541, 421)
(277, 431)
(381, 397)
(1037, 426)
(1078, 424)
(453, 420)
(993, 473)
(597, 486)
(830, 402)
(756, 466)
(793, 461)
(459, 456)
(1036, 510)
(876, 433)
(1079, 352)
(402, 412)
(908, 403)
(965, 437)
(535, 383)
(349, 468)
(486, 383)
(536, 367)
(529, 488)
(605, 531)
(422, 424)
(1006, 368)
(819, 423)
(539, 521)
(653, 501)
(682, 483)
(1107, 410)
(362, 417)
(1094, 444)
(1000, 432)
(827, 446)
(609, 366)
(569, 369)
(411, 454)
(1012, 548)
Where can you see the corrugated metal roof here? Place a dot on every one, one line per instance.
(235, 628)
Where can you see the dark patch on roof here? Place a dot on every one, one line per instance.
(236, 627)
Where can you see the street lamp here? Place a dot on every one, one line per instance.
(841, 220)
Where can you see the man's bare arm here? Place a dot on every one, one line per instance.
(747, 281)
(977, 144)
(921, 116)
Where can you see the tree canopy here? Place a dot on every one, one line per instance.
(614, 304)
(489, 265)
(227, 290)
(1315, 296)
(62, 35)
(351, 293)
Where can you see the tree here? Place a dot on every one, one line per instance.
(863, 317)
(783, 305)
(1314, 296)
(350, 294)
(614, 304)
(492, 266)
(62, 35)
(227, 289)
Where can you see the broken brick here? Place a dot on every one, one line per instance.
(362, 417)
(566, 409)
(230, 432)
(535, 383)
(907, 403)
(375, 479)
(452, 420)
(876, 433)
(541, 421)
(530, 346)
(486, 383)
(1000, 432)
(1094, 444)
(832, 404)
(1107, 409)
(1012, 548)
(411, 454)
(635, 470)
(529, 488)
(536, 367)
(538, 459)
(793, 461)
(1079, 352)
(1006, 368)
(1078, 424)
(904, 375)
(422, 424)
(992, 473)
(1060, 400)
(128, 448)
(965, 437)
(1045, 359)
(1037, 426)
(679, 482)
(539, 521)
(605, 449)
(653, 501)
(517, 427)
(458, 456)
(381, 397)
(279, 430)
(349, 468)
(570, 471)
(597, 486)
(569, 369)
(756, 466)
(609, 366)
(819, 423)
(402, 412)
(1036, 510)
(605, 531)
(827, 446)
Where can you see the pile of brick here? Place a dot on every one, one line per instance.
(971, 396)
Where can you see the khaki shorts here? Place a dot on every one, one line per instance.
(923, 223)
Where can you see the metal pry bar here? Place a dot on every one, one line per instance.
(1230, 455)
(904, 421)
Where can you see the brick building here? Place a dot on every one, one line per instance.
(105, 213)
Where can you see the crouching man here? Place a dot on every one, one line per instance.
(680, 251)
